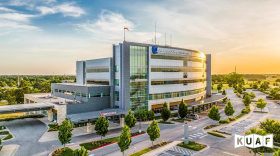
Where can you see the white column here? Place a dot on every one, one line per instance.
(122, 121)
(50, 115)
(89, 127)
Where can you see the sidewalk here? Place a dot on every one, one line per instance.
(158, 150)
(9, 150)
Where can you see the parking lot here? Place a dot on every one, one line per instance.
(176, 151)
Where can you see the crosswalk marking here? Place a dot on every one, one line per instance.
(230, 153)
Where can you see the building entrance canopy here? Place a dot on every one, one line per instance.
(83, 117)
(212, 99)
(24, 108)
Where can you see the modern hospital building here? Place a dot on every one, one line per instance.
(137, 75)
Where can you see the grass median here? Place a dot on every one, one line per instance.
(216, 134)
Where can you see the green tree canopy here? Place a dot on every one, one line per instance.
(262, 149)
(151, 114)
(229, 110)
(220, 86)
(277, 153)
(224, 92)
(129, 119)
(153, 131)
(65, 132)
(252, 95)
(247, 100)
(183, 109)
(81, 152)
(261, 104)
(255, 86)
(214, 113)
(165, 112)
(101, 126)
(271, 127)
(125, 139)
(245, 94)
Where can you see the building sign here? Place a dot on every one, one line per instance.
(156, 50)
(110, 113)
(253, 141)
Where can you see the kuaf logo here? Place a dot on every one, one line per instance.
(155, 49)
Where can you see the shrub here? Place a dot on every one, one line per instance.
(245, 110)
(23, 117)
(216, 134)
(57, 152)
(232, 119)
(224, 121)
(192, 145)
(237, 94)
(2, 127)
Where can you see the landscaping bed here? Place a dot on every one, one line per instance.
(23, 117)
(4, 132)
(216, 134)
(210, 126)
(165, 122)
(61, 152)
(95, 144)
(276, 144)
(181, 120)
(259, 112)
(192, 145)
(2, 127)
(221, 132)
(146, 150)
(55, 126)
(8, 137)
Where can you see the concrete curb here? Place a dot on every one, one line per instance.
(6, 152)
(160, 149)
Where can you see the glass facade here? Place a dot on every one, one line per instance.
(102, 70)
(138, 70)
(117, 68)
(117, 82)
(117, 96)
(185, 82)
(175, 94)
(97, 82)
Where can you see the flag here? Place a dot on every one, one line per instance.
(126, 28)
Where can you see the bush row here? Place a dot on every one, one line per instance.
(23, 117)
(246, 110)
(216, 134)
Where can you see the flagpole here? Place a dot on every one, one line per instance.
(124, 34)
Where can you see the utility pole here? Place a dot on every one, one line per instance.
(165, 39)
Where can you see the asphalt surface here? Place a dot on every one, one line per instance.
(27, 132)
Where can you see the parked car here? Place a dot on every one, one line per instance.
(269, 97)
(193, 116)
(278, 102)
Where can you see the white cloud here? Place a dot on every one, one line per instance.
(6, 9)
(110, 26)
(16, 17)
(67, 9)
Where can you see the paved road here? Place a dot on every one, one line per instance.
(28, 132)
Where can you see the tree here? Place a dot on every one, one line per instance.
(183, 109)
(3, 84)
(65, 132)
(129, 119)
(247, 100)
(101, 126)
(239, 90)
(271, 127)
(0, 142)
(153, 131)
(255, 86)
(151, 114)
(229, 110)
(220, 86)
(246, 93)
(224, 92)
(265, 85)
(141, 114)
(244, 89)
(277, 153)
(262, 149)
(214, 113)
(125, 139)
(261, 104)
(252, 95)
(165, 112)
(82, 152)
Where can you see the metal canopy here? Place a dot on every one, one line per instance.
(24, 108)
(213, 98)
(82, 117)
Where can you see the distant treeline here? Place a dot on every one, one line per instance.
(254, 77)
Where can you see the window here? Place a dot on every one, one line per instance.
(175, 94)
(98, 82)
(56, 90)
(117, 98)
(78, 94)
(84, 95)
(102, 70)
(117, 68)
(95, 95)
(185, 82)
(117, 82)
(105, 94)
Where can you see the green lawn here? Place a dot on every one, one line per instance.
(61, 152)
(3, 103)
(240, 115)
(90, 145)
(225, 86)
(2, 127)
(181, 120)
(141, 152)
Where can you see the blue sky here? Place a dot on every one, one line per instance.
(46, 36)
